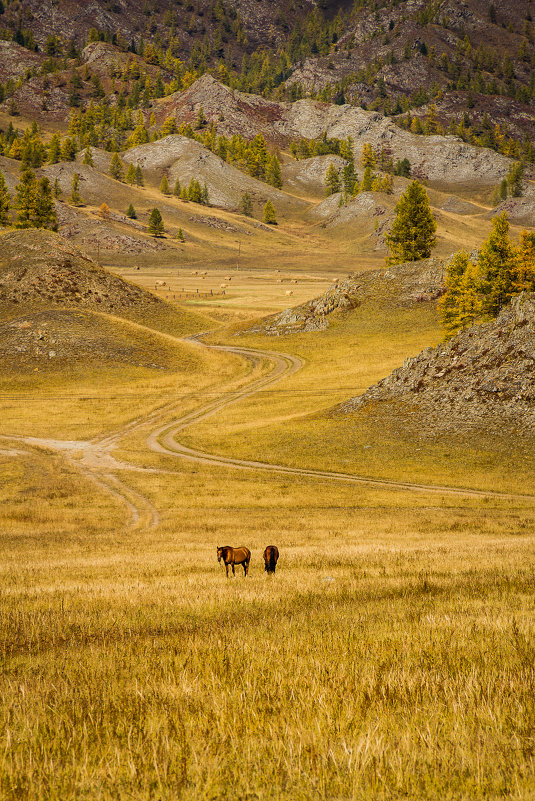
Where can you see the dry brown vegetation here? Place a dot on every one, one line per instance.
(391, 655)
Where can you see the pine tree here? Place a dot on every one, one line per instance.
(130, 177)
(180, 235)
(156, 223)
(412, 235)
(497, 266)
(349, 177)
(44, 212)
(524, 269)
(332, 180)
(75, 198)
(88, 157)
(366, 185)
(176, 188)
(448, 305)
(131, 212)
(273, 172)
(57, 189)
(164, 186)
(116, 167)
(139, 176)
(367, 158)
(25, 199)
(54, 149)
(245, 205)
(5, 197)
(269, 216)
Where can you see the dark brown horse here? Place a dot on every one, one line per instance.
(234, 556)
(271, 557)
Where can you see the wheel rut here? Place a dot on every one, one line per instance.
(164, 439)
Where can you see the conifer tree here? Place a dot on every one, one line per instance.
(131, 212)
(164, 186)
(412, 235)
(5, 197)
(524, 269)
(88, 157)
(176, 188)
(332, 180)
(180, 235)
(116, 167)
(75, 198)
(44, 212)
(25, 199)
(130, 177)
(273, 172)
(349, 177)
(366, 185)
(57, 188)
(269, 216)
(497, 266)
(139, 176)
(156, 227)
(448, 305)
(367, 158)
(245, 205)
(54, 149)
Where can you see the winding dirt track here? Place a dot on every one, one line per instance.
(163, 440)
(100, 467)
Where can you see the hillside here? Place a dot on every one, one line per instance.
(41, 270)
(483, 380)
(462, 62)
(402, 285)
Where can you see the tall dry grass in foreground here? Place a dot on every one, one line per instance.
(392, 655)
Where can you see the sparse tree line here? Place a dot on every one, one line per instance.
(33, 203)
(482, 134)
(346, 180)
(478, 287)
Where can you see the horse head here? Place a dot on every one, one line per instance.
(219, 553)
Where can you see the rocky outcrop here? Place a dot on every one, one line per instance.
(483, 378)
(444, 161)
(400, 285)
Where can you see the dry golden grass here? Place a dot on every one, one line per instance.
(391, 656)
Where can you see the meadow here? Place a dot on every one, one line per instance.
(392, 655)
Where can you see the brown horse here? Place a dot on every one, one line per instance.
(271, 557)
(234, 556)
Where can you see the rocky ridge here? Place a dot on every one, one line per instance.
(443, 161)
(400, 285)
(484, 378)
(42, 267)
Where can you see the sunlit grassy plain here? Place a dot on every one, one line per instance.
(392, 655)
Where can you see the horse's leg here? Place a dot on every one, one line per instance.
(226, 568)
(233, 570)
(246, 566)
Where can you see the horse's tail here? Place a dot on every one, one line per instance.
(272, 559)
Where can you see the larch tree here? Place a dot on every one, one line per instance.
(5, 197)
(497, 266)
(116, 167)
(269, 215)
(332, 180)
(156, 227)
(412, 235)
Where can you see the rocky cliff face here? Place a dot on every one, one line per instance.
(483, 378)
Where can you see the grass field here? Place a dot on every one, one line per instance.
(391, 656)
